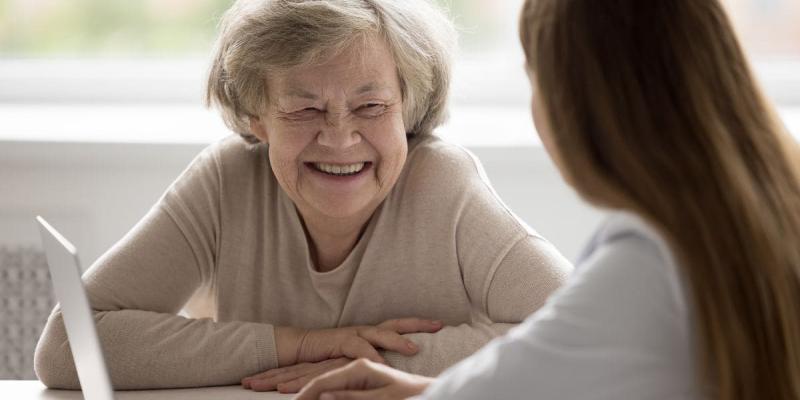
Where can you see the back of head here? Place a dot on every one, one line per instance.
(260, 37)
(654, 108)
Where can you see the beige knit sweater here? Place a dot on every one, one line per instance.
(226, 245)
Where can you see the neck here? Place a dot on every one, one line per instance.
(332, 239)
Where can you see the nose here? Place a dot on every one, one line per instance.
(338, 132)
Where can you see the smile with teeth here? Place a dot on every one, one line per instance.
(339, 169)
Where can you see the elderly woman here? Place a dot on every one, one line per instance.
(340, 227)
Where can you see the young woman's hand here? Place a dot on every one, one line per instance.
(363, 379)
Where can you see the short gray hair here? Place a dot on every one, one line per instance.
(258, 37)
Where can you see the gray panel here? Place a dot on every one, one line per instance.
(25, 302)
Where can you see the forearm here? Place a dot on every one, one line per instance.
(147, 350)
(440, 350)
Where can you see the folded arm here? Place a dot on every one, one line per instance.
(139, 286)
(136, 291)
(147, 350)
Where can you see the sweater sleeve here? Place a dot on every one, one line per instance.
(522, 279)
(140, 285)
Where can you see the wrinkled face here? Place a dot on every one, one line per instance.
(335, 131)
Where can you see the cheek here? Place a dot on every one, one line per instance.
(285, 149)
(389, 139)
(290, 141)
(545, 133)
(396, 155)
(540, 122)
(537, 117)
(282, 166)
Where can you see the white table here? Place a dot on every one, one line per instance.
(34, 390)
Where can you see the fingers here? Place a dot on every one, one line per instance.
(355, 342)
(294, 386)
(359, 374)
(358, 347)
(273, 373)
(291, 379)
(354, 395)
(388, 340)
(273, 382)
(412, 325)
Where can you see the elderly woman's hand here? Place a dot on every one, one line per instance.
(363, 341)
(304, 354)
(292, 378)
(363, 379)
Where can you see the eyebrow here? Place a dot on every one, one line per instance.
(297, 92)
(370, 87)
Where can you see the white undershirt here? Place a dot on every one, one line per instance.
(619, 329)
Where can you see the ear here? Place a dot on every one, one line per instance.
(258, 130)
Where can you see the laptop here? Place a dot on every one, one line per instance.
(65, 271)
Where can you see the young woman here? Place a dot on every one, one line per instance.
(693, 290)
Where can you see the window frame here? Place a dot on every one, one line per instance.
(479, 79)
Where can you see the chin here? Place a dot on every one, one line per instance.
(345, 209)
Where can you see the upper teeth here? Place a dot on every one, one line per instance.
(340, 169)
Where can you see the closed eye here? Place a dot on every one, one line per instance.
(304, 114)
(370, 110)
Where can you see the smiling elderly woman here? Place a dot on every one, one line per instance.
(340, 227)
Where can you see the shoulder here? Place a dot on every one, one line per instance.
(624, 234)
(628, 253)
(225, 166)
(446, 171)
(447, 174)
(433, 157)
(620, 305)
(234, 163)
(232, 151)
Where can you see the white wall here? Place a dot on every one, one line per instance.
(95, 192)
(530, 185)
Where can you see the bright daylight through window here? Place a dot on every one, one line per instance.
(88, 62)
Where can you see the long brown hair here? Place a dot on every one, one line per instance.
(654, 108)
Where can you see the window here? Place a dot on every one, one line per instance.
(107, 28)
(68, 28)
(152, 54)
(768, 28)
